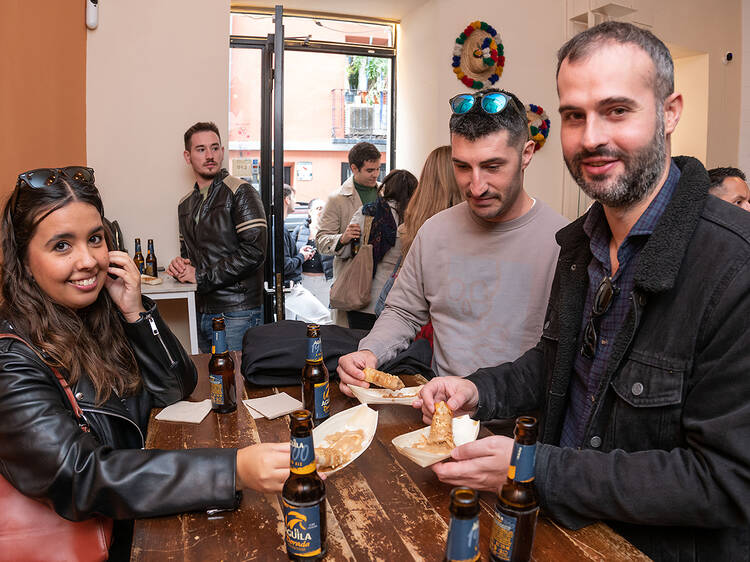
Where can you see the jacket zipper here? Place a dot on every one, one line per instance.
(106, 413)
(155, 331)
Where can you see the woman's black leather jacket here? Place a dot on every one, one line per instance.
(45, 454)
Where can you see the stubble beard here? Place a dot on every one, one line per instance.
(642, 170)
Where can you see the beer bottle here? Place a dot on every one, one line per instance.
(138, 256)
(463, 534)
(221, 372)
(315, 390)
(517, 507)
(151, 268)
(304, 495)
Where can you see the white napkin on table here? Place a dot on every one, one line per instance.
(184, 411)
(274, 405)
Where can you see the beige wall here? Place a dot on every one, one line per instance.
(691, 78)
(425, 80)
(153, 69)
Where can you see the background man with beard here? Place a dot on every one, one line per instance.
(641, 371)
(222, 241)
(481, 270)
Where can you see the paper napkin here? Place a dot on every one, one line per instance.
(184, 411)
(274, 405)
(254, 413)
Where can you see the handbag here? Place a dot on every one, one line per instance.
(351, 289)
(31, 530)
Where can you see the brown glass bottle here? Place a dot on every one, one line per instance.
(463, 534)
(304, 495)
(315, 388)
(138, 256)
(221, 372)
(517, 507)
(150, 263)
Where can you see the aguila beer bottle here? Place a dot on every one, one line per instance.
(221, 372)
(151, 266)
(138, 256)
(517, 508)
(463, 534)
(304, 495)
(315, 390)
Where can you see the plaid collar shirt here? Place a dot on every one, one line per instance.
(585, 386)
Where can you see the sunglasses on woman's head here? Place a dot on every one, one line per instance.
(492, 102)
(42, 177)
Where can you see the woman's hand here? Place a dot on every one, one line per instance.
(263, 467)
(125, 289)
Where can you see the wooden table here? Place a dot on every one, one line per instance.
(381, 507)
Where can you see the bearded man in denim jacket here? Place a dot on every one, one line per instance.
(641, 375)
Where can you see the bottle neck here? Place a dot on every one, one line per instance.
(314, 349)
(219, 342)
(522, 463)
(302, 454)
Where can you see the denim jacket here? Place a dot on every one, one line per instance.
(666, 460)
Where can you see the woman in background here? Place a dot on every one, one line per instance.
(437, 191)
(79, 307)
(387, 212)
(317, 272)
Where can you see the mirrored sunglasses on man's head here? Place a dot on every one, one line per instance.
(43, 177)
(490, 102)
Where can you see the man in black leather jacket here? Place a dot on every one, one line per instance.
(641, 374)
(223, 240)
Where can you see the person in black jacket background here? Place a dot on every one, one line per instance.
(300, 303)
(79, 305)
(223, 237)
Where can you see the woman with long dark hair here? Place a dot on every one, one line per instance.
(79, 308)
(388, 213)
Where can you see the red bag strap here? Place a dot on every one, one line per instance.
(60, 379)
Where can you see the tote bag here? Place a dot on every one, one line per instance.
(351, 289)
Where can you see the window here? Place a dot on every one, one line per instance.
(338, 91)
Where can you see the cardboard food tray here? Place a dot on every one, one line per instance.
(379, 395)
(465, 430)
(359, 417)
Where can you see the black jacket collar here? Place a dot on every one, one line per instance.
(660, 259)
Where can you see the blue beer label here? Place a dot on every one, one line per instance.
(322, 400)
(302, 526)
(503, 531)
(314, 349)
(463, 540)
(302, 455)
(219, 343)
(522, 462)
(216, 389)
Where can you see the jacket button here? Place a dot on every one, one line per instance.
(596, 442)
(79, 395)
(642, 300)
(637, 389)
(546, 325)
(573, 267)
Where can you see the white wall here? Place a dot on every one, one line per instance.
(153, 69)
(691, 78)
(426, 80)
(744, 64)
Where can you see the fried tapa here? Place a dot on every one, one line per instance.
(330, 457)
(441, 430)
(380, 378)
